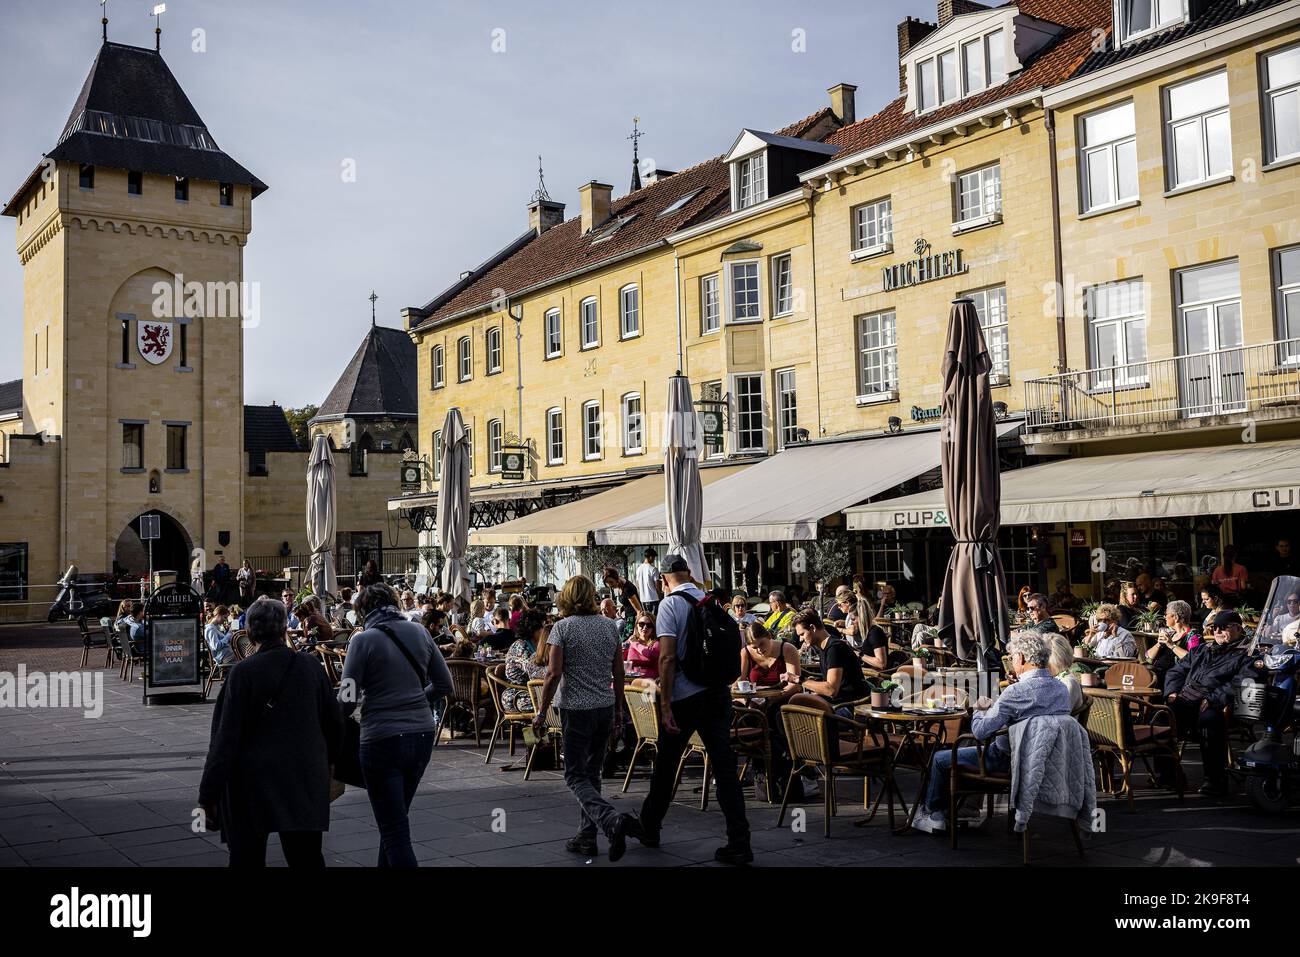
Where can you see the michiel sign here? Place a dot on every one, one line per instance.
(173, 655)
(926, 267)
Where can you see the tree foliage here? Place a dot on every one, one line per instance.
(298, 419)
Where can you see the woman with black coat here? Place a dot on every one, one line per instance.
(276, 732)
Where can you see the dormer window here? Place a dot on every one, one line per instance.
(1135, 19)
(750, 180)
(970, 67)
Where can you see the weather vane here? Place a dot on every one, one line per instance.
(540, 194)
(158, 10)
(373, 298)
(103, 18)
(636, 161)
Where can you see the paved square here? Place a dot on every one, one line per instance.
(120, 790)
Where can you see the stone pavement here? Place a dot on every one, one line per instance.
(120, 790)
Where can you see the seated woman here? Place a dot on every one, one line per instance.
(524, 663)
(1060, 659)
(1109, 639)
(315, 627)
(481, 623)
(641, 656)
(1179, 637)
(868, 638)
(768, 661)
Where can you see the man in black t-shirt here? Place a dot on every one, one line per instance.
(842, 678)
(629, 602)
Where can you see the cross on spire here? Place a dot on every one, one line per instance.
(103, 19)
(373, 297)
(636, 161)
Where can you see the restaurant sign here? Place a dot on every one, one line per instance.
(514, 462)
(926, 267)
(711, 426)
(926, 415)
(1273, 499)
(920, 518)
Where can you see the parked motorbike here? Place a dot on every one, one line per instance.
(80, 599)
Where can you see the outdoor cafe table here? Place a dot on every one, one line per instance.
(911, 725)
(763, 691)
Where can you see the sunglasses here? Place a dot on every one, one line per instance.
(645, 624)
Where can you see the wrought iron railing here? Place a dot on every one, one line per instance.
(1240, 380)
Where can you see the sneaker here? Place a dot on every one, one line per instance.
(585, 846)
(932, 823)
(1214, 789)
(734, 854)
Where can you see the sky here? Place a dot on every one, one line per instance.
(441, 109)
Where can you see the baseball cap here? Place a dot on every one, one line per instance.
(674, 564)
(1223, 619)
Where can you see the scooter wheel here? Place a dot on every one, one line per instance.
(1266, 793)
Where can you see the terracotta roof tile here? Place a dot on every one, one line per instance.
(564, 249)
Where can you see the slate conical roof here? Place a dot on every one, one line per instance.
(380, 379)
(132, 114)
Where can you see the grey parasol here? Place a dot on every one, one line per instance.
(453, 505)
(321, 509)
(683, 495)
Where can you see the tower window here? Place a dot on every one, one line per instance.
(87, 179)
(176, 436)
(132, 445)
(126, 341)
(183, 341)
(226, 192)
(182, 189)
(134, 182)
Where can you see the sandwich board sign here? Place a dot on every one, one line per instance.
(173, 648)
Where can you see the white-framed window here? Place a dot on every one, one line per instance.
(591, 442)
(1117, 332)
(1282, 104)
(927, 85)
(710, 304)
(1212, 366)
(629, 312)
(492, 348)
(782, 285)
(633, 425)
(979, 193)
(1108, 142)
(554, 333)
(1138, 18)
(787, 408)
(437, 455)
(991, 306)
(1286, 273)
(873, 226)
(749, 180)
(437, 367)
(1198, 133)
(494, 445)
(464, 359)
(877, 354)
(469, 445)
(589, 322)
(751, 436)
(554, 436)
(745, 291)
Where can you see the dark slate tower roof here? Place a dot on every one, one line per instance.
(266, 429)
(132, 114)
(11, 396)
(379, 381)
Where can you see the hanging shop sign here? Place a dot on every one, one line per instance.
(927, 266)
(711, 426)
(514, 462)
(926, 415)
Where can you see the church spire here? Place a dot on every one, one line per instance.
(636, 159)
(103, 20)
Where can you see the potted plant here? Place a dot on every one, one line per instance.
(921, 656)
(1087, 608)
(1249, 615)
(1087, 677)
(1149, 620)
(882, 693)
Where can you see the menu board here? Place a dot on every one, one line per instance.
(173, 652)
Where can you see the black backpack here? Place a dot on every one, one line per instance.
(709, 651)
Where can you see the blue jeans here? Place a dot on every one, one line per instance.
(586, 737)
(392, 768)
(936, 796)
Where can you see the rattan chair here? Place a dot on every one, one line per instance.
(980, 782)
(552, 733)
(751, 739)
(507, 721)
(1066, 625)
(813, 735)
(1123, 728)
(241, 644)
(132, 653)
(643, 709)
(216, 670)
(1129, 675)
(466, 697)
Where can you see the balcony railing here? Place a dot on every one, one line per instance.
(1240, 380)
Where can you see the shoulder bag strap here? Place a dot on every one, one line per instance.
(420, 673)
(284, 676)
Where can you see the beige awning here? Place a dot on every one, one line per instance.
(511, 491)
(570, 524)
(1229, 479)
(783, 497)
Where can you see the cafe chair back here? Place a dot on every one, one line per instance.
(241, 644)
(1129, 675)
(552, 733)
(1123, 729)
(508, 719)
(465, 698)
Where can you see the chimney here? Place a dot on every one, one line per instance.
(655, 175)
(910, 32)
(842, 102)
(595, 204)
(955, 8)
(543, 214)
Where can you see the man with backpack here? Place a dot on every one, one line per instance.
(699, 658)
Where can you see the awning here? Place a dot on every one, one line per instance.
(511, 491)
(570, 524)
(1229, 479)
(782, 498)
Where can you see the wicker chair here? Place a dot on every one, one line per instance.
(643, 709)
(507, 721)
(1129, 675)
(813, 735)
(132, 654)
(216, 671)
(751, 739)
(1123, 728)
(552, 735)
(241, 644)
(979, 781)
(466, 696)
(1066, 625)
